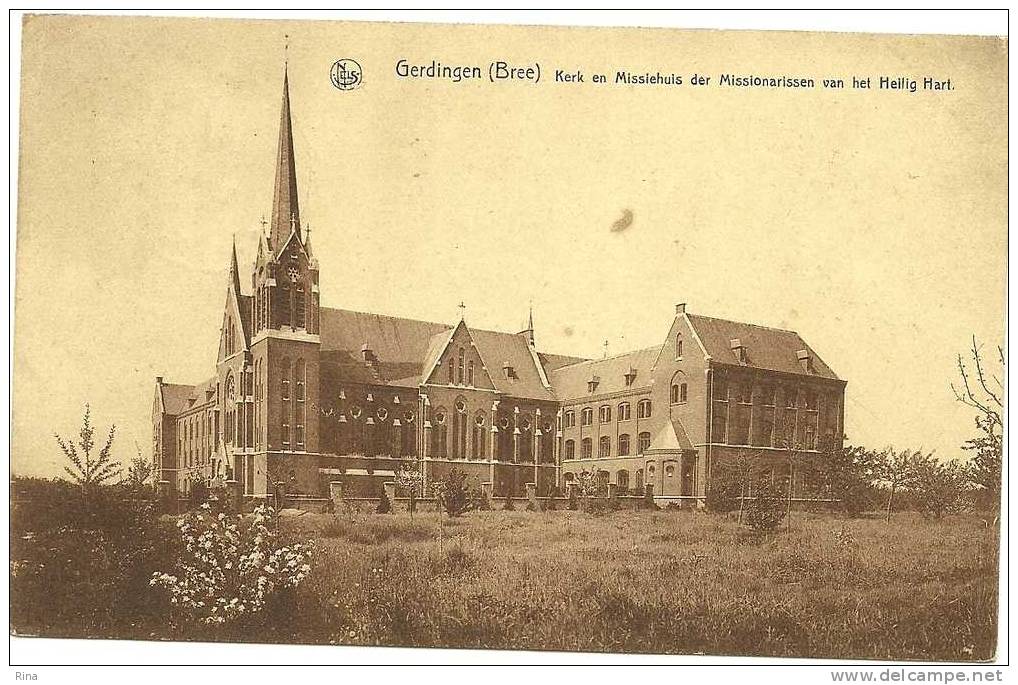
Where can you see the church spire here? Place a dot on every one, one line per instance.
(528, 332)
(285, 208)
(234, 269)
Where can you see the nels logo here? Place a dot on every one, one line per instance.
(345, 74)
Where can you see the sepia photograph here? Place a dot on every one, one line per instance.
(530, 339)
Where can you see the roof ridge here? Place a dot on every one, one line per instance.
(386, 316)
(614, 356)
(745, 323)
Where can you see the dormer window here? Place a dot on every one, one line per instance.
(509, 371)
(630, 376)
(739, 350)
(805, 358)
(593, 383)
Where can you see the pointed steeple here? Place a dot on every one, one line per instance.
(285, 208)
(234, 269)
(528, 332)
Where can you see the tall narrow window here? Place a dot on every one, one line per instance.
(299, 372)
(624, 445)
(284, 374)
(479, 437)
(604, 447)
(452, 371)
(643, 443)
(586, 450)
(683, 394)
(678, 346)
(570, 450)
(459, 378)
(470, 373)
(300, 305)
(643, 409)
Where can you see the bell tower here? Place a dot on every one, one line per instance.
(285, 334)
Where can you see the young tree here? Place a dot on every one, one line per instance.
(85, 470)
(985, 395)
(409, 477)
(139, 472)
(895, 470)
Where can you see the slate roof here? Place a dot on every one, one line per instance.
(772, 349)
(672, 436)
(570, 382)
(246, 304)
(177, 398)
(498, 348)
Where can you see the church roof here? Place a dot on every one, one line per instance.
(570, 382)
(404, 349)
(246, 304)
(399, 345)
(499, 349)
(772, 349)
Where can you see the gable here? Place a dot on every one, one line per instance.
(455, 360)
(233, 332)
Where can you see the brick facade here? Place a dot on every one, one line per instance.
(304, 396)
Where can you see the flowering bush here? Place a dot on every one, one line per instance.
(228, 571)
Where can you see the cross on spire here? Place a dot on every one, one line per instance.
(463, 310)
(605, 349)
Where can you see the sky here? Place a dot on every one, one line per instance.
(871, 222)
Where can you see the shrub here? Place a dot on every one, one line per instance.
(80, 564)
(722, 496)
(767, 509)
(452, 493)
(574, 502)
(228, 572)
(509, 505)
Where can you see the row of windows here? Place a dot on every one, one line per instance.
(456, 370)
(604, 447)
(766, 394)
(604, 413)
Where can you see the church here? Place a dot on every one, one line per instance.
(304, 396)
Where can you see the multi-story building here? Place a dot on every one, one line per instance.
(304, 395)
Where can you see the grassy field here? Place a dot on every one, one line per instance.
(665, 582)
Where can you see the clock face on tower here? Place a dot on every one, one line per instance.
(292, 271)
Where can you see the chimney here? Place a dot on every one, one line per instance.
(805, 360)
(680, 309)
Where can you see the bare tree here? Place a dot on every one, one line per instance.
(984, 393)
(88, 472)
